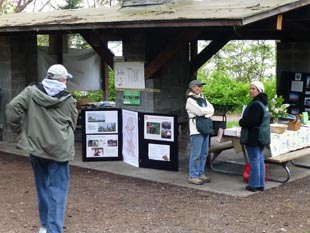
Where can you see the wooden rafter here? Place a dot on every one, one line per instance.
(168, 53)
(104, 52)
(208, 52)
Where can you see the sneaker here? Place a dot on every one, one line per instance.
(42, 230)
(195, 181)
(205, 179)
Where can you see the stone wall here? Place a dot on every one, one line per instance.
(18, 67)
(5, 78)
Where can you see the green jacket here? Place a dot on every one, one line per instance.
(45, 124)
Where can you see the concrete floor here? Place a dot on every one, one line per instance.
(232, 185)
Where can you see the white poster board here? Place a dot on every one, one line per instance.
(129, 75)
(130, 138)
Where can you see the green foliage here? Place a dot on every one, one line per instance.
(7, 7)
(231, 124)
(112, 95)
(277, 108)
(42, 40)
(245, 61)
(222, 90)
(228, 73)
(71, 4)
(93, 96)
(77, 41)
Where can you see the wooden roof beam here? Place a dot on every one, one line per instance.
(101, 48)
(208, 52)
(171, 49)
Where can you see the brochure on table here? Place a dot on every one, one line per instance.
(146, 140)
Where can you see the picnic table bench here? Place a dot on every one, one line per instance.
(215, 151)
(284, 159)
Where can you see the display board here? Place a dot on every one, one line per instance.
(145, 140)
(295, 89)
(101, 135)
(158, 141)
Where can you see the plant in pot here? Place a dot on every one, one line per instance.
(277, 109)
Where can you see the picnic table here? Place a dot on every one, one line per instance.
(284, 148)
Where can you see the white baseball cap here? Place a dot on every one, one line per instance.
(58, 71)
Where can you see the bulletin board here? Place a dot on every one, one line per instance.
(295, 89)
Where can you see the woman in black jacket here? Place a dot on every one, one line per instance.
(252, 119)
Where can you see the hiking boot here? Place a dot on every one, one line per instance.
(195, 181)
(42, 230)
(205, 179)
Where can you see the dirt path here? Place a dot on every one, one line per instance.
(103, 202)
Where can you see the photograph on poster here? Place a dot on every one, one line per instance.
(101, 122)
(130, 137)
(293, 97)
(159, 128)
(153, 128)
(97, 151)
(106, 127)
(297, 86)
(102, 146)
(159, 152)
(307, 101)
(166, 130)
(308, 82)
(297, 76)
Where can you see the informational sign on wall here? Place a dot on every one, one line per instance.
(129, 75)
(131, 97)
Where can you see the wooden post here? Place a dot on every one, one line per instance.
(279, 22)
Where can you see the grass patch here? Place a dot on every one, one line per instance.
(231, 124)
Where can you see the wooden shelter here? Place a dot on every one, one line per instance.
(161, 35)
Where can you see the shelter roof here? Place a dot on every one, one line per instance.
(183, 13)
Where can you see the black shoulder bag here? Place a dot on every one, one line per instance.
(203, 124)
